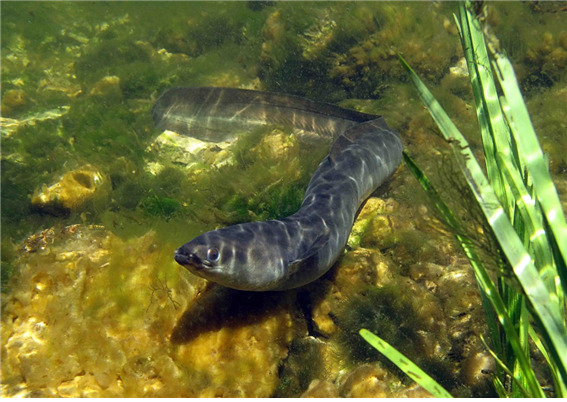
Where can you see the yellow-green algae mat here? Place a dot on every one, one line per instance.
(87, 317)
(90, 314)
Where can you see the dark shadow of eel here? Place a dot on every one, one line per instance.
(218, 307)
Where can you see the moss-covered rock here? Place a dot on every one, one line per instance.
(73, 192)
(12, 100)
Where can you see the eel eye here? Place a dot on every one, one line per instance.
(213, 254)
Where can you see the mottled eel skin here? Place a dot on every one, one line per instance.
(284, 253)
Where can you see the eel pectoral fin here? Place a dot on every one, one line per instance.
(302, 264)
(309, 260)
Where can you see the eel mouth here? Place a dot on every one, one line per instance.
(188, 260)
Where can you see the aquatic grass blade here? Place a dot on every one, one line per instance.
(521, 206)
(546, 308)
(493, 128)
(508, 127)
(561, 387)
(500, 389)
(527, 209)
(532, 158)
(502, 365)
(406, 365)
(528, 276)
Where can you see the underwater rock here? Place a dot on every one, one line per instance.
(320, 389)
(375, 287)
(58, 83)
(373, 381)
(234, 341)
(241, 361)
(367, 381)
(306, 363)
(40, 344)
(535, 41)
(374, 226)
(188, 152)
(318, 37)
(477, 367)
(194, 154)
(273, 32)
(274, 146)
(72, 192)
(562, 40)
(457, 80)
(107, 85)
(10, 126)
(547, 114)
(555, 64)
(356, 269)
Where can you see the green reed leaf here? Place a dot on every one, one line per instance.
(406, 365)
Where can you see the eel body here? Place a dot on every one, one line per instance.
(290, 252)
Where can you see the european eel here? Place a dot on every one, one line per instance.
(283, 253)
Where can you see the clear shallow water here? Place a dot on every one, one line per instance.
(78, 81)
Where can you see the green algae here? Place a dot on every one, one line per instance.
(266, 181)
(303, 364)
(160, 206)
(391, 312)
(359, 51)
